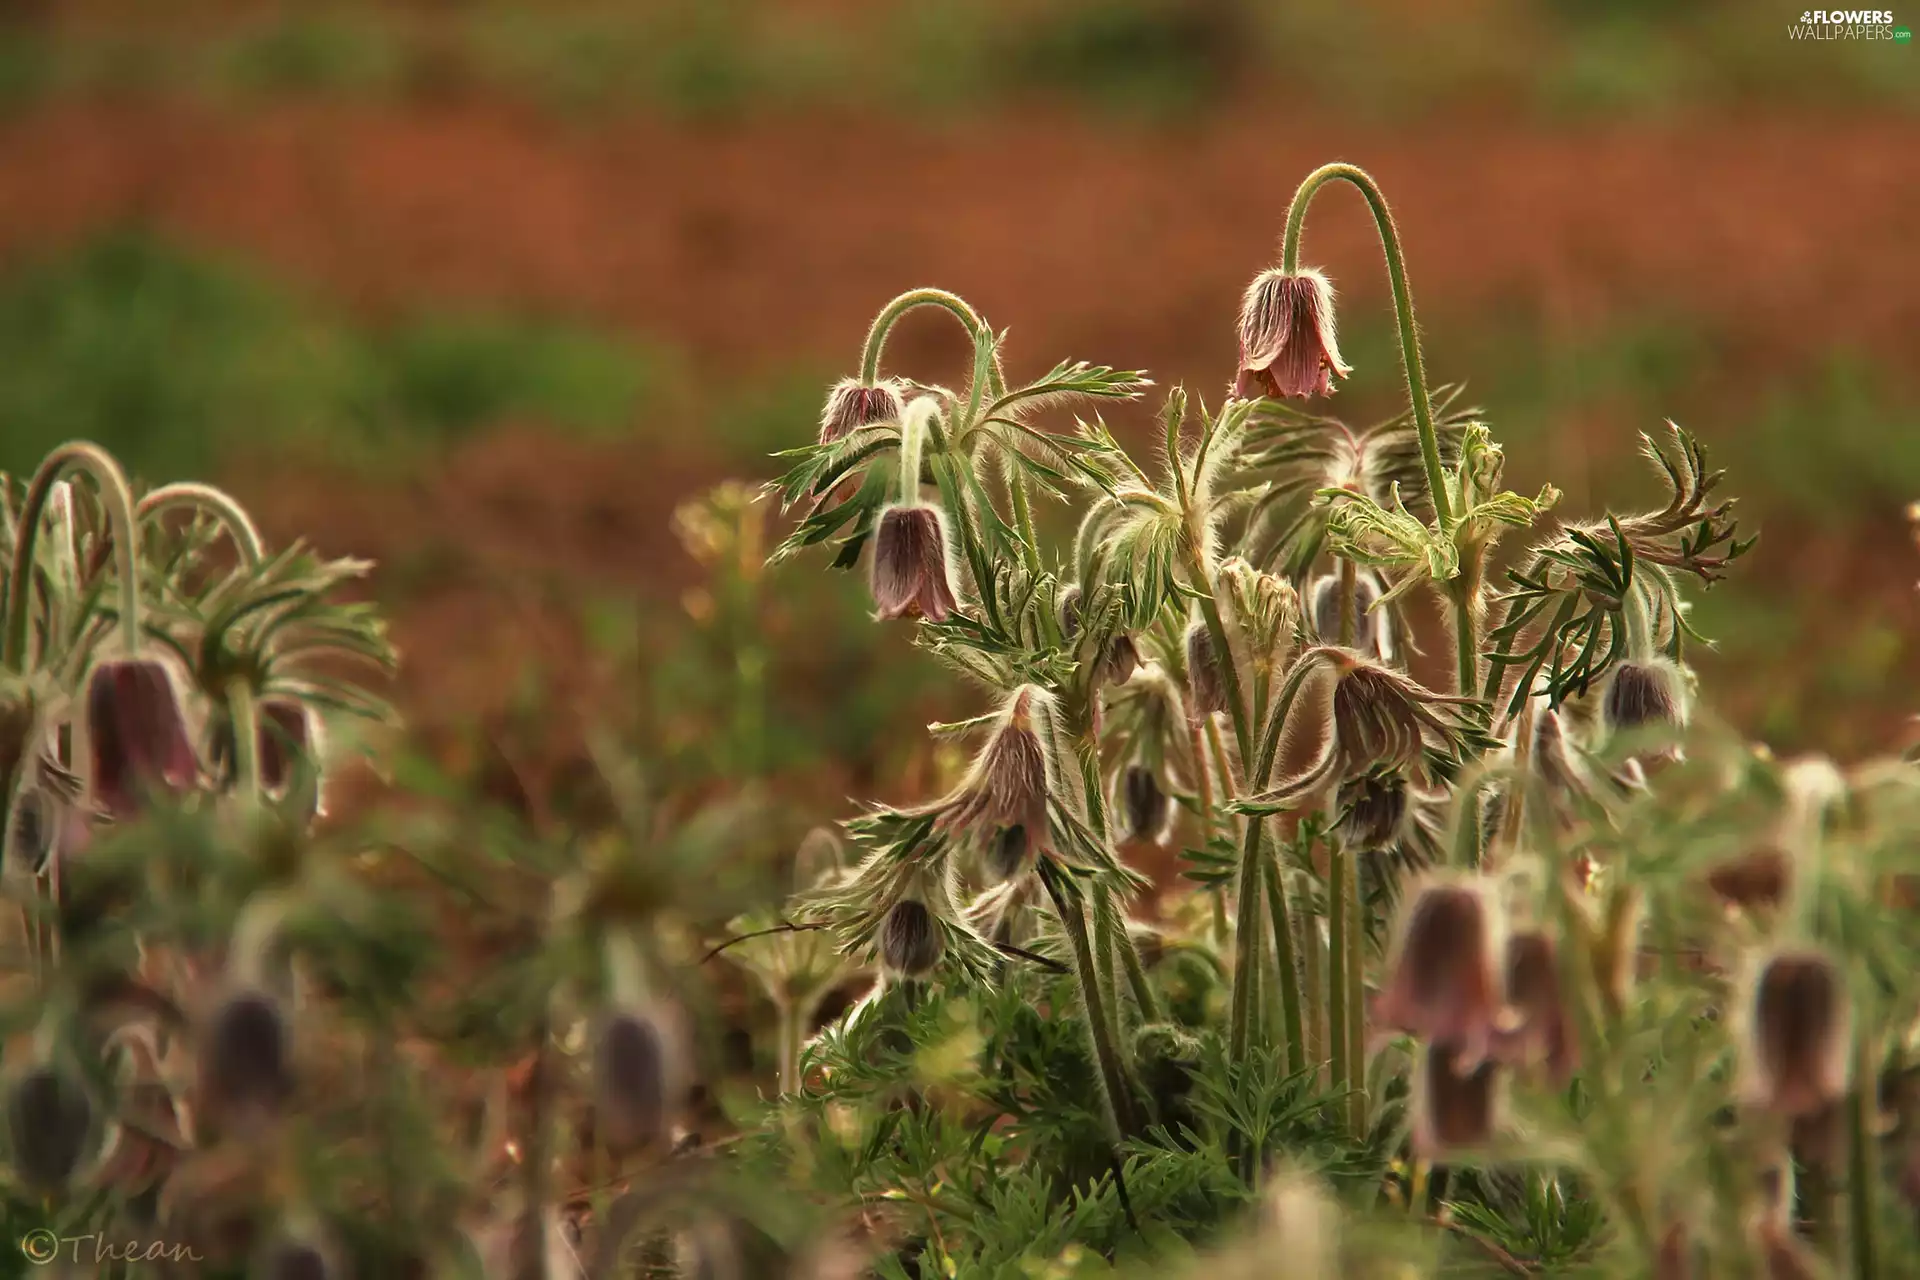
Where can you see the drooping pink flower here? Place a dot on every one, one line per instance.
(1443, 983)
(910, 573)
(138, 735)
(853, 404)
(1287, 344)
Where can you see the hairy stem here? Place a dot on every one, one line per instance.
(1314, 972)
(1023, 520)
(1106, 1048)
(1337, 1040)
(1402, 306)
(217, 502)
(890, 315)
(244, 715)
(118, 500)
(1287, 964)
(1356, 1001)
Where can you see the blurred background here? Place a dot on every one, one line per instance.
(494, 293)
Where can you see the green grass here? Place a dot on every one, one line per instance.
(172, 359)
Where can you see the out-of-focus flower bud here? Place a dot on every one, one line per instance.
(1457, 1102)
(911, 943)
(1643, 696)
(1544, 1034)
(1752, 881)
(639, 1078)
(244, 1059)
(1443, 983)
(49, 1122)
(1009, 852)
(137, 735)
(911, 574)
(1147, 808)
(299, 1260)
(852, 404)
(1383, 719)
(1287, 341)
(1206, 685)
(1797, 1035)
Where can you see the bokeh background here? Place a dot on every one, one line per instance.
(493, 293)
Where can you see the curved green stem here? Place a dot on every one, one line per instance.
(204, 497)
(1402, 306)
(890, 315)
(1023, 520)
(118, 500)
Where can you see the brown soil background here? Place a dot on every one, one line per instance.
(756, 244)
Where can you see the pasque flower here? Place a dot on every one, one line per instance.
(1206, 684)
(853, 404)
(636, 1078)
(1287, 345)
(137, 735)
(1145, 805)
(1797, 1035)
(911, 575)
(910, 941)
(1369, 626)
(1008, 785)
(48, 1120)
(1543, 1033)
(1443, 981)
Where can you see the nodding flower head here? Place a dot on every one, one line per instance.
(1119, 660)
(1287, 344)
(911, 574)
(1206, 684)
(245, 1072)
(1069, 606)
(852, 404)
(137, 735)
(1799, 1022)
(1381, 718)
(1009, 782)
(911, 943)
(49, 1119)
(1371, 635)
(1755, 881)
(1373, 808)
(1443, 983)
(1010, 853)
(1543, 1033)
(1645, 695)
(1457, 1101)
(637, 1078)
(1148, 810)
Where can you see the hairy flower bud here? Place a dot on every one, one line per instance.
(1373, 808)
(49, 1119)
(852, 405)
(911, 577)
(1797, 1035)
(1069, 605)
(1644, 695)
(1147, 808)
(33, 832)
(636, 1079)
(1287, 343)
(1206, 685)
(1382, 719)
(910, 939)
(1008, 783)
(1544, 1034)
(245, 1072)
(1443, 983)
(1370, 632)
(1752, 881)
(1008, 852)
(1120, 659)
(1457, 1106)
(137, 735)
